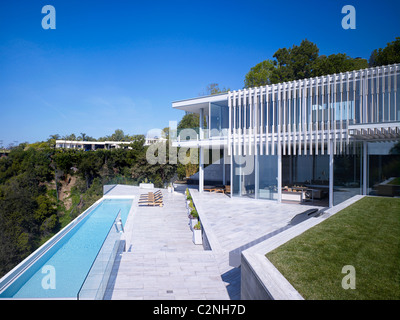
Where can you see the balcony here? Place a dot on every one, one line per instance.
(194, 137)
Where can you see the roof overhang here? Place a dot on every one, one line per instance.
(389, 131)
(195, 104)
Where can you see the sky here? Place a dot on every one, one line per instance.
(120, 64)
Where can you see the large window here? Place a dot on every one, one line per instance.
(219, 120)
(383, 168)
(347, 174)
(244, 175)
(268, 173)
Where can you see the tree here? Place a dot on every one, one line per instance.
(118, 135)
(388, 55)
(89, 166)
(260, 74)
(189, 120)
(70, 137)
(295, 63)
(336, 63)
(213, 88)
(299, 62)
(82, 136)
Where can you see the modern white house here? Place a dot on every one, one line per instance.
(319, 139)
(91, 145)
(95, 145)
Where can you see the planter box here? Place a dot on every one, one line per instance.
(197, 237)
(193, 222)
(146, 186)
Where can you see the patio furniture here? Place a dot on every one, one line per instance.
(151, 199)
(297, 196)
(158, 193)
(227, 189)
(209, 188)
(152, 203)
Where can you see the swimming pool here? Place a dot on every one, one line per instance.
(61, 270)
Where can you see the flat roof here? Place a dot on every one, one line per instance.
(93, 142)
(195, 104)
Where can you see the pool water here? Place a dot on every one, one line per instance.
(68, 266)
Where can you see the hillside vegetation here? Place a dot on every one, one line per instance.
(42, 189)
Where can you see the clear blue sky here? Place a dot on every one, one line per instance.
(119, 64)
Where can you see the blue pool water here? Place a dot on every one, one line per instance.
(74, 256)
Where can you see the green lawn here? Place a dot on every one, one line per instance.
(395, 181)
(365, 235)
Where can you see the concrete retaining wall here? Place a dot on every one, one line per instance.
(260, 279)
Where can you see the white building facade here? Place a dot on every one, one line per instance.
(327, 137)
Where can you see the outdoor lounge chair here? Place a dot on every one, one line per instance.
(151, 194)
(150, 198)
(152, 202)
(219, 189)
(209, 188)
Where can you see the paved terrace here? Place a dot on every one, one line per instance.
(161, 261)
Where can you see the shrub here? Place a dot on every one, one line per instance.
(194, 213)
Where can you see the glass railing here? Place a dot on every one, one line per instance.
(193, 134)
(95, 285)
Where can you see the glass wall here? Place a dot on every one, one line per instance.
(255, 176)
(347, 174)
(308, 174)
(219, 120)
(267, 173)
(384, 168)
(243, 176)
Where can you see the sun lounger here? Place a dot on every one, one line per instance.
(215, 189)
(209, 188)
(149, 194)
(151, 198)
(219, 189)
(152, 202)
(228, 189)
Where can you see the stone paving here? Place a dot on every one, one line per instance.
(161, 261)
(235, 224)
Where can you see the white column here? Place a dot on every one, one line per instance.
(223, 167)
(201, 152)
(279, 178)
(201, 124)
(256, 174)
(331, 154)
(201, 169)
(365, 167)
(231, 182)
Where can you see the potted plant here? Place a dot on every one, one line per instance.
(193, 218)
(170, 187)
(188, 198)
(197, 236)
(190, 207)
(146, 184)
